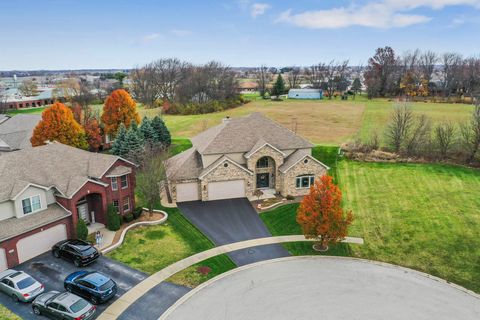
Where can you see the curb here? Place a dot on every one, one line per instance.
(136, 224)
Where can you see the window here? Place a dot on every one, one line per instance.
(114, 183)
(263, 163)
(31, 204)
(126, 204)
(124, 181)
(116, 205)
(304, 181)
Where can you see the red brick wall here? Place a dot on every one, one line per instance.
(120, 194)
(11, 244)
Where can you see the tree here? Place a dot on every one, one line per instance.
(380, 72)
(334, 74)
(427, 65)
(58, 124)
(356, 87)
(419, 136)
(82, 230)
(134, 146)
(119, 147)
(263, 79)
(444, 134)
(119, 76)
(83, 97)
(161, 130)
(113, 218)
(94, 134)
(294, 77)
(28, 88)
(321, 215)
(399, 127)
(470, 133)
(279, 86)
(148, 133)
(119, 108)
(151, 177)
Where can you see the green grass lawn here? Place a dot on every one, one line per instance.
(26, 110)
(421, 216)
(6, 314)
(152, 248)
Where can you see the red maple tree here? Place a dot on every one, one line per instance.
(321, 215)
(94, 134)
(119, 108)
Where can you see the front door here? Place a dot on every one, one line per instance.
(82, 210)
(263, 180)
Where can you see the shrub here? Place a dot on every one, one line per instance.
(127, 217)
(82, 230)
(137, 212)
(113, 219)
(290, 197)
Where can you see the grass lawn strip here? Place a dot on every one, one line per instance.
(6, 314)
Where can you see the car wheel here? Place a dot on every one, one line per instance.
(77, 263)
(15, 298)
(56, 253)
(94, 300)
(36, 311)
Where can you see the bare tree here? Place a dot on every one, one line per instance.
(264, 77)
(427, 64)
(316, 75)
(471, 77)
(444, 135)
(145, 85)
(399, 127)
(28, 88)
(470, 133)
(84, 97)
(451, 63)
(335, 74)
(294, 77)
(419, 136)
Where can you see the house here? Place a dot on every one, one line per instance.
(239, 156)
(305, 94)
(248, 87)
(45, 190)
(16, 131)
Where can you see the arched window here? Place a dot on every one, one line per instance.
(263, 162)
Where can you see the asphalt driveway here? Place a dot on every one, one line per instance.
(232, 220)
(52, 271)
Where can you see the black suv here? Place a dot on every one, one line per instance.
(80, 252)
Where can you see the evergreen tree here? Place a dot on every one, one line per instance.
(147, 132)
(279, 86)
(134, 146)
(161, 130)
(118, 147)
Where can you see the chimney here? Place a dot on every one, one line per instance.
(226, 119)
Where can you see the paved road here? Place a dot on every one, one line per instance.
(229, 221)
(52, 271)
(326, 288)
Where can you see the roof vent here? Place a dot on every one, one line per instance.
(226, 119)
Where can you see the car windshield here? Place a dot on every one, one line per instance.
(80, 245)
(107, 285)
(25, 283)
(79, 305)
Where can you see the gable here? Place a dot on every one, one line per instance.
(225, 167)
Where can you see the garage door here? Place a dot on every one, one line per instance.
(3, 260)
(226, 190)
(40, 242)
(187, 192)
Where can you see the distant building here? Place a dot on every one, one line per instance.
(16, 131)
(15, 100)
(248, 87)
(305, 94)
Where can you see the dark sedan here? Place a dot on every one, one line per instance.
(93, 286)
(80, 252)
(56, 305)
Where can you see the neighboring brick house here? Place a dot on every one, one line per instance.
(241, 155)
(45, 190)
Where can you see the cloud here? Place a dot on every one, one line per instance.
(181, 33)
(380, 14)
(149, 38)
(258, 9)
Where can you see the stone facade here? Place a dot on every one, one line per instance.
(306, 166)
(266, 151)
(226, 173)
(172, 187)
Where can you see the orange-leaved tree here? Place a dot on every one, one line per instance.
(119, 108)
(58, 124)
(321, 215)
(94, 134)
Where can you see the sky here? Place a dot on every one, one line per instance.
(80, 34)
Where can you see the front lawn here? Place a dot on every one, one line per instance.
(6, 314)
(152, 248)
(421, 216)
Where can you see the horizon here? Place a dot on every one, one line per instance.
(122, 35)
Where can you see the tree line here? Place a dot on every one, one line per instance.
(184, 88)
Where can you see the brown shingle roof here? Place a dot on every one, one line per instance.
(241, 134)
(185, 165)
(54, 165)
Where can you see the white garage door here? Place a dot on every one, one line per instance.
(226, 190)
(40, 242)
(187, 192)
(3, 260)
